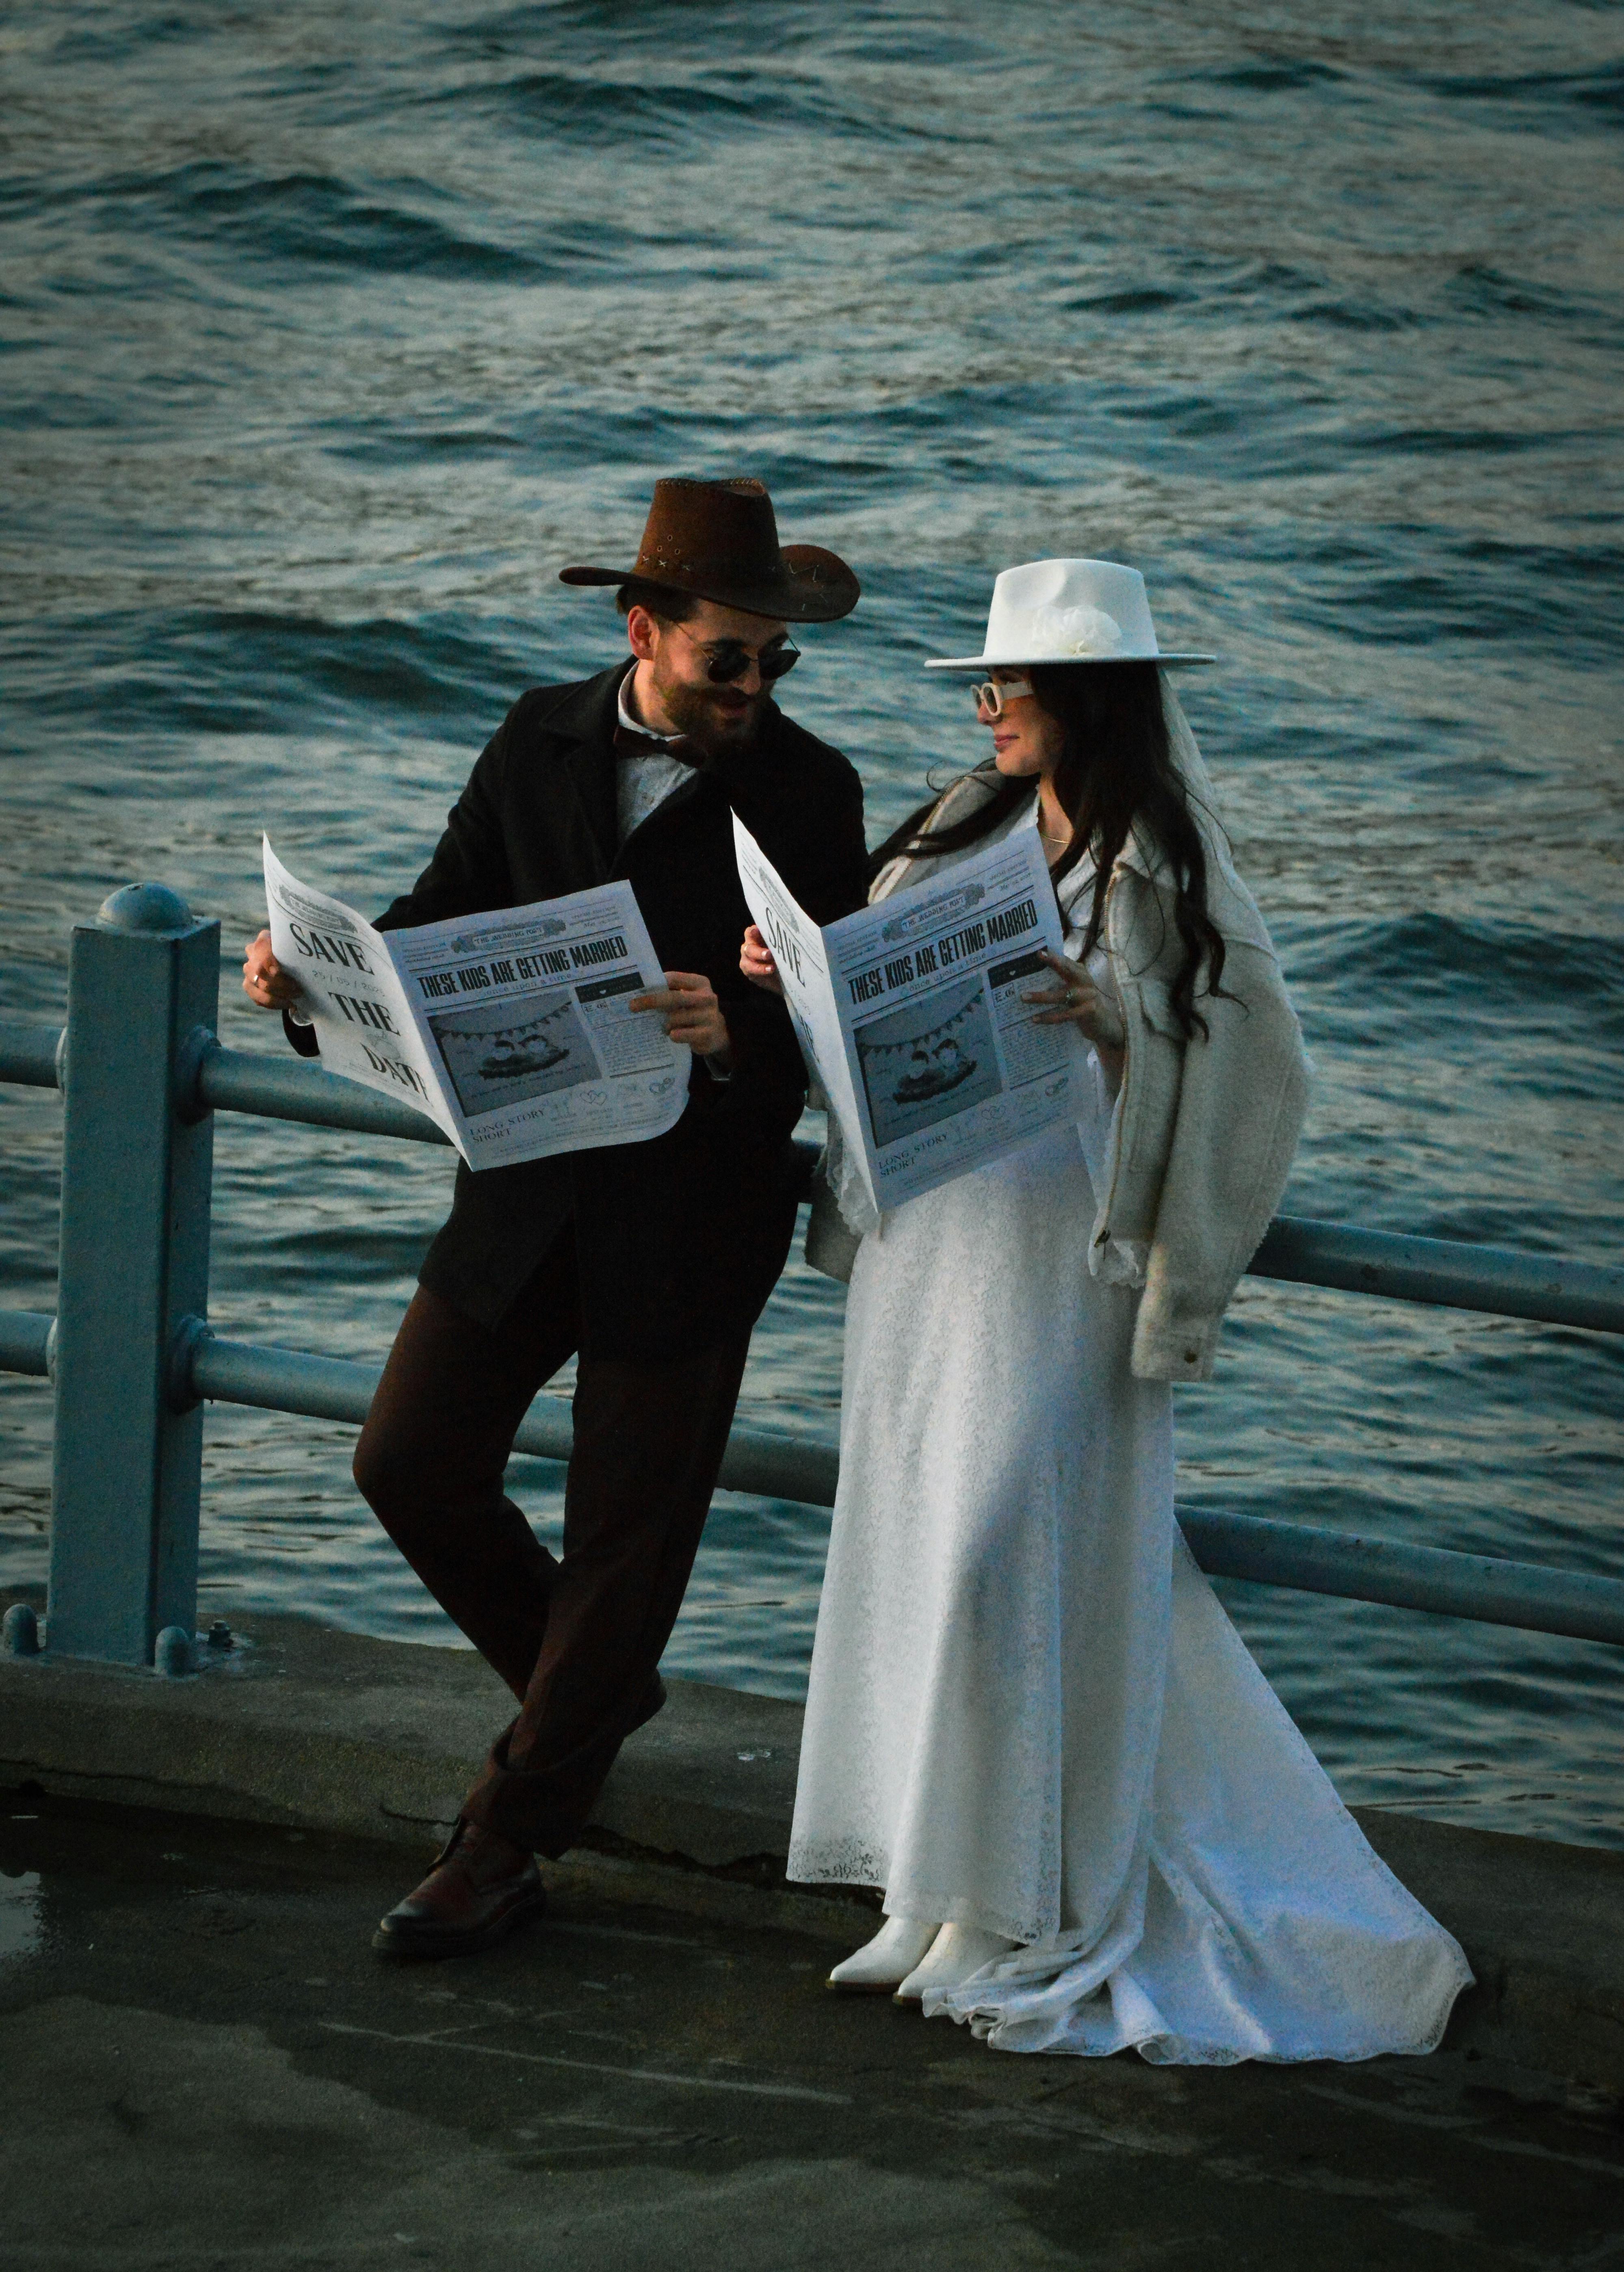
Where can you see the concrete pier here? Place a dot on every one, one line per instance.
(206, 2066)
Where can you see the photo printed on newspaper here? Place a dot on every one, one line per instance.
(510, 1030)
(910, 1013)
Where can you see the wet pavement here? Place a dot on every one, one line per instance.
(202, 2064)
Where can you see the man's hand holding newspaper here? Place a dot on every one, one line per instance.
(521, 1033)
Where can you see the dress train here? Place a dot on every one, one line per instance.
(1256, 1922)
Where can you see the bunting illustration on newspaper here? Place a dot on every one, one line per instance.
(510, 1030)
(910, 1013)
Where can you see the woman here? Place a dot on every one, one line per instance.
(1029, 1721)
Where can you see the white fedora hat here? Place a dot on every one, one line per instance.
(1067, 611)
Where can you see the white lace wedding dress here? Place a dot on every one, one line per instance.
(1028, 1711)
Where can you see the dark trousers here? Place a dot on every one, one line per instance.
(577, 1639)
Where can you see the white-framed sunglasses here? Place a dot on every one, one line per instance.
(992, 694)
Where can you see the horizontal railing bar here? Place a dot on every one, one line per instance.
(1445, 1273)
(28, 1053)
(286, 1089)
(240, 1080)
(281, 1380)
(771, 1466)
(1484, 1587)
(331, 1389)
(1439, 1580)
(1436, 1579)
(25, 1342)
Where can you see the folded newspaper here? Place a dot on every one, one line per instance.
(510, 1030)
(910, 1013)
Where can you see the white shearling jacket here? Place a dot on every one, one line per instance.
(1204, 1131)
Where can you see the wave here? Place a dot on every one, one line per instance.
(1586, 98)
(258, 1255)
(1274, 74)
(1495, 976)
(1596, 95)
(292, 222)
(898, 32)
(1479, 289)
(674, 111)
(1208, 289)
(1280, 291)
(630, 433)
(1459, 441)
(1130, 300)
(230, 671)
(1478, 590)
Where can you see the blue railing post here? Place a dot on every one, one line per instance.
(136, 1163)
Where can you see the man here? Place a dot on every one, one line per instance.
(651, 1262)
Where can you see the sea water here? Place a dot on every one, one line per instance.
(331, 334)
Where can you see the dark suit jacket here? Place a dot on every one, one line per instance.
(681, 1238)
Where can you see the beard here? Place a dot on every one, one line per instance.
(718, 718)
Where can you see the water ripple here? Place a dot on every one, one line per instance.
(327, 335)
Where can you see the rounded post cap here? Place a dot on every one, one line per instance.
(144, 908)
(20, 1631)
(172, 1652)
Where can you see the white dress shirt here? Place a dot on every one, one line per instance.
(646, 780)
(641, 783)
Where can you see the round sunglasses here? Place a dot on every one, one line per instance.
(727, 659)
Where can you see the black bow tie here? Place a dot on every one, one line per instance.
(630, 745)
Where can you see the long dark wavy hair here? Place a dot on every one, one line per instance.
(1116, 772)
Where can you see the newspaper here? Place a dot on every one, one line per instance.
(509, 1031)
(910, 1016)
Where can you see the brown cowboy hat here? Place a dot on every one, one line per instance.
(719, 541)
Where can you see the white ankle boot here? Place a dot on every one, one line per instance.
(892, 1954)
(957, 1951)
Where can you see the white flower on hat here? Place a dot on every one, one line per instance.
(1086, 632)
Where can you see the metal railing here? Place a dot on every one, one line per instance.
(132, 1358)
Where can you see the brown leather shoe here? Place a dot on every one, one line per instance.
(479, 1890)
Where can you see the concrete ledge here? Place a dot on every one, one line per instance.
(318, 1730)
(1541, 1925)
(314, 1730)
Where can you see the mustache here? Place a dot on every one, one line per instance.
(701, 710)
